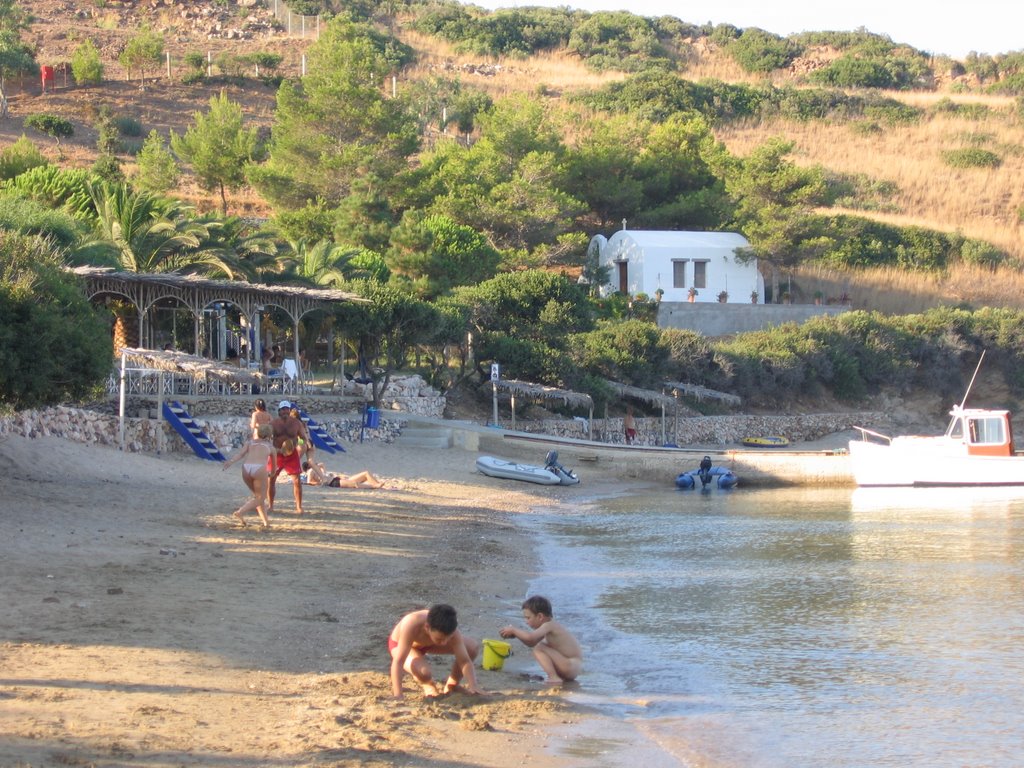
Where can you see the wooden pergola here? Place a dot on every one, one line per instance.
(161, 372)
(698, 392)
(526, 389)
(649, 396)
(198, 294)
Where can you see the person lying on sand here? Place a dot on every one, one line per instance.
(317, 474)
(554, 647)
(434, 631)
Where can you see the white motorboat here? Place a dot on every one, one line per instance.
(977, 449)
(512, 470)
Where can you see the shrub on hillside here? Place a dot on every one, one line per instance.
(762, 52)
(56, 187)
(982, 254)
(874, 68)
(946, 106)
(28, 217)
(520, 31)
(19, 157)
(618, 41)
(128, 126)
(857, 353)
(53, 344)
(865, 243)
(86, 66)
(1012, 85)
(158, 170)
(971, 157)
(52, 125)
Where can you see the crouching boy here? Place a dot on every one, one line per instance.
(434, 631)
(554, 647)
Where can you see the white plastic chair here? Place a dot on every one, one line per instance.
(291, 375)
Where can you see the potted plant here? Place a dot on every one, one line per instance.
(753, 297)
(818, 296)
(691, 295)
(658, 294)
(723, 297)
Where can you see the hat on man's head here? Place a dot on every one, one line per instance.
(284, 404)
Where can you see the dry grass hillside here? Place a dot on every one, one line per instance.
(981, 203)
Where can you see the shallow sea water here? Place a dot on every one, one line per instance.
(796, 627)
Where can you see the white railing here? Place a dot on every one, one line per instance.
(295, 24)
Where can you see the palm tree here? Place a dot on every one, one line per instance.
(324, 263)
(141, 232)
(250, 254)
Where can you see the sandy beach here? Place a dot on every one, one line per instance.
(142, 627)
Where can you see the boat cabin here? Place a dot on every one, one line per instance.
(982, 432)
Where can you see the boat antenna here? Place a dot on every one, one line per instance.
(976, 369)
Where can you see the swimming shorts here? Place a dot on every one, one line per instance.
(392, 644)
(289, 464)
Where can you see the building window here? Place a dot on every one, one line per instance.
(700, 274)
(679, 273)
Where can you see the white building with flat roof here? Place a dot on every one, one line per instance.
(646, 261)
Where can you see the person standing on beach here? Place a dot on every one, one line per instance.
(629, 425)
(258, 461)
(554, 647)
(432, 631)
(286, 435)
(259, 416)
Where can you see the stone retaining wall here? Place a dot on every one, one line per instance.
(227, 432)
(705, 430)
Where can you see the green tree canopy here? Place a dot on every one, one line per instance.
(143, 51)
(53, 344)
(158, 170)
(86, 65)
(434, 254)
(775, 200)
(218, 147)
(16, 56)
(387, 328)
(337, 126)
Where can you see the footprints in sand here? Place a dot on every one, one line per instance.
(358, 713)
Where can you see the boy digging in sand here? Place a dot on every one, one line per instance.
(433, 631)
(554, 647)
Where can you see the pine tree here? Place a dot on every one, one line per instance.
(218, 147)
(158, 170)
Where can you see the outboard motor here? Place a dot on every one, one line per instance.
(551, 464)
(704, 473)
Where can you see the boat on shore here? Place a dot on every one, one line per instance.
(767, 441)
(707, 475)
(513, 470)
(565, 476)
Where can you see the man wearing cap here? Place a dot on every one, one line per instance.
(286, 435)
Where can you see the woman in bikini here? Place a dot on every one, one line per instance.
(259, 416)
(259, 459)
(317, 474)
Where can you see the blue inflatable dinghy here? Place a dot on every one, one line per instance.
(707, 476)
